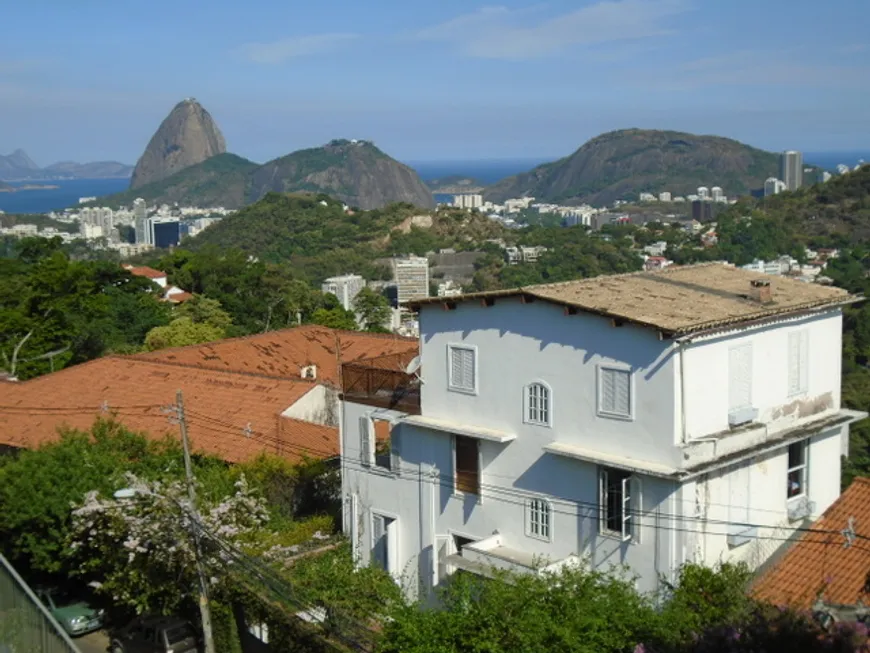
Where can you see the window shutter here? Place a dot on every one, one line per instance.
(456, 368)
(602, 499)
(622, 392)
(626, 509)
(608, 391)
(467, 369)
(636, 506)
(366, 449)
(354, 528)
(805, 361)
(395, 451)
(379, 541)
(794, 363)
(740, 377)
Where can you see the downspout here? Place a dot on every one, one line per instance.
(681, 344)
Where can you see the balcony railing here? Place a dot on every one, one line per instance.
(382, 382)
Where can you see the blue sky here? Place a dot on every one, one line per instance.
(446, 80)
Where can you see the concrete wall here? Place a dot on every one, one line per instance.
(706, 367)
(319, 406)
(518, 344)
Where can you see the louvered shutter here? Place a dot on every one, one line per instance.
(798, 368)
(622, 392)
(379, 541)
(354, 528)
(608, 391)
(602, 499)
(366, 448)
(456, 378)
(740, 377)
(467, 356)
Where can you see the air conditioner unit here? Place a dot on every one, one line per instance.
(739, 534)
(741, 416)
(800, 509)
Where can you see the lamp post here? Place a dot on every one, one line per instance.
(204, 609)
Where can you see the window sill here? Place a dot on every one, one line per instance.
(462, 496)
(540, 538)
(546, 425)
(616, 536)
(462, 391)
(617, 416)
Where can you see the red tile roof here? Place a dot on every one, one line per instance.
(178, 297)
(232, 416)
(145, 271)
(818, 565)
(284, 353)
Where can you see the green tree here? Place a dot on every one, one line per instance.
(202, 310)
(373, 309)
(181, 332)
(334, 318)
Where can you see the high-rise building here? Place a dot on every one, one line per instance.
(703, 192)
(664, 196)
(717, 194)
(773, 186)
(163, 232)
(140, 217)
(412, 278)
(791, 169)
(702, 210)
(345, 287)
(468, 200)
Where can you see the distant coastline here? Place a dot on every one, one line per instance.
(15, 189)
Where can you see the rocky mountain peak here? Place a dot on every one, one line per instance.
(186, 137)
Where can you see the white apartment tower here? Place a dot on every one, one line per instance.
(773, 186)
(717, 194)
(345, 287)
(703, 193)
(140, 219)
(791, 169)
(468, 200)
(412, 278)
(644, 420)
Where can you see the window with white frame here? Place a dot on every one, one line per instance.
(537, 404)
(798, 362)
(539, 519)
(614, 392)
(797, 470)
(462, 372)
(260, 630)
(366, 441)
(619, 503)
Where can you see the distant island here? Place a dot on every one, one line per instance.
(454, 185)
(6, 188)
(18, 166)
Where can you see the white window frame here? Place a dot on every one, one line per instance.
(529, 416)
(456, 491)
(798, 380)
(632, 503)
(392, 532)
(540, 528)
(620, 369)
(803, 468)
(450, 385)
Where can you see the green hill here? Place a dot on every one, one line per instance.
(318, 238)
(221, 180)
(356, 172)
(624, 163)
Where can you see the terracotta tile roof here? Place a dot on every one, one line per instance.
(232, 416)
(678, 299)
(178, 297)
(145, 271)
(818, 565)
(284, 353)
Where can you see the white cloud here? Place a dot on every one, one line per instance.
(502, 33)
(291, 48)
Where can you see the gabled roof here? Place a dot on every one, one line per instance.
(145, 271)
(818, 565)
(230, 415)
(284, 353)
(676, 300)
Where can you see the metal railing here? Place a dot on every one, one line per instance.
(26, 626)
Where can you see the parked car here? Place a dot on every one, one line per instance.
(72, 611)
(156, 635)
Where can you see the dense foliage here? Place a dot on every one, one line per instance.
(55, 311)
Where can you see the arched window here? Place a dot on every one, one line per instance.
(538, 404)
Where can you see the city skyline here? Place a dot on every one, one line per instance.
(455, 81)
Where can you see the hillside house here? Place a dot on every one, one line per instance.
(645, 419)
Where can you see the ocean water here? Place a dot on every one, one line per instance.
(66, 194)
(485, 171)
(830, 160)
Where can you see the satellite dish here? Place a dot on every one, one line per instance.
(413, 366)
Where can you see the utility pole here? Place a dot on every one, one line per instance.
(204, 609)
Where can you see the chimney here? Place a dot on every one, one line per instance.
(760, 291)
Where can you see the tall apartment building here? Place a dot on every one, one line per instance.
(412, 278)
(773, 186)
(468, 200)
(140, 217)
(345, 287)
(568, 422)
(717, 194)
(703, 192)
(791, 169)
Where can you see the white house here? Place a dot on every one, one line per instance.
(646, 419)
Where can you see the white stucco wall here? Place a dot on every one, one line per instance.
(518, 344)
(319, 406)
(706, 367)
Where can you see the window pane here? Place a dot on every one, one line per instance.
(613, 499)
(467, 471)
(795, 482)
(795, 454)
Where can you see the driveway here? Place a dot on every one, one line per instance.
(97, 642)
